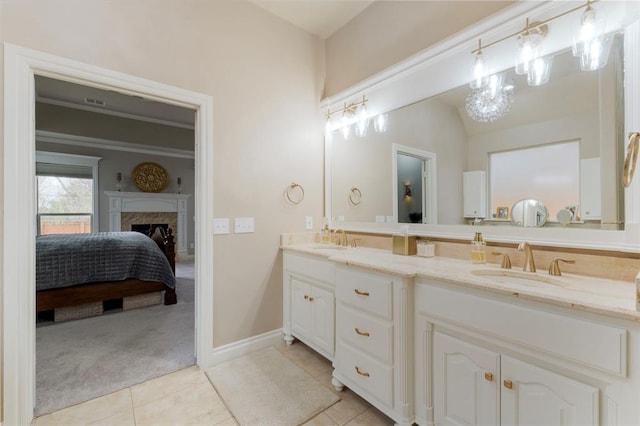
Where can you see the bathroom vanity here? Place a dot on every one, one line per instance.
(443, 341)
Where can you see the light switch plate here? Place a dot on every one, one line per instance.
(220, 225)
(244, 225)
(309, 222)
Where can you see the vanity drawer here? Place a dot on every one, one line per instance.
(371, 293)
(371, 376)
(371, 335)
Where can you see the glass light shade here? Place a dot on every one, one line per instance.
(594, 55)
(362, 126)
(539, 71)
(346, 131)
(590, 43)
(480, 77)
(528, 50)
(381, 123)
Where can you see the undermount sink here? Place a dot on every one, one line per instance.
(327, 247)
(517, 277)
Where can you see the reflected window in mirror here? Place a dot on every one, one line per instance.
(549, 173)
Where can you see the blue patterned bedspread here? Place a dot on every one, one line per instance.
(64, 260)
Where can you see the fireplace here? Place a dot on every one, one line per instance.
(142, 208)
(148, 228)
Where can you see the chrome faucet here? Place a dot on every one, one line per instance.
(341, 240)
(529, 265)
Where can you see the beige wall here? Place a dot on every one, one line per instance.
(389, 31)
(263, 76)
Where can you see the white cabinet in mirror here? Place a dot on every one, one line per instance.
(589, 108)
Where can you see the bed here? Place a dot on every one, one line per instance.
(79, 269)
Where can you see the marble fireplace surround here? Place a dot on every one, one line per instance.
(146, 207)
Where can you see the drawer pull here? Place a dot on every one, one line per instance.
(310, 299)
(508, 384)
(306, 297)
(361, 293)
(362, 333)
(488, 377)
(362, 373)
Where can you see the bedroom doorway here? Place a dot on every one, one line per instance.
(21, 68)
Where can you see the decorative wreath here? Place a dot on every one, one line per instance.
(150, 177)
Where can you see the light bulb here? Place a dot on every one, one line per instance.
(479, 72)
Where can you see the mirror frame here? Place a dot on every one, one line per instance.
(430, 72)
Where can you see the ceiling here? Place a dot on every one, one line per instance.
(318, 17)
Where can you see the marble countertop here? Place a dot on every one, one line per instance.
(602, 296)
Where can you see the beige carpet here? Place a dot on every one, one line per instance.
(265, 388)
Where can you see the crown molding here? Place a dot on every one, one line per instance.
(120, 114)
(111, 145)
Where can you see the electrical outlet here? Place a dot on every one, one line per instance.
(220, 226)
(244, 225)
(309, 222)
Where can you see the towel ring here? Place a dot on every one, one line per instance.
(355, 196)
(294, 193)
(630, 159)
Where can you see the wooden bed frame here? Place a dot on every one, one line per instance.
(81, 294)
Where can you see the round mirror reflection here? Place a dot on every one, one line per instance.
(529, 213)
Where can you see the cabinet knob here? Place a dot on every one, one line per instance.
(310, 299)
(508, 384)
(361, 293)
(362, 333)
(306, 297)
(362, 373)
(488, 377)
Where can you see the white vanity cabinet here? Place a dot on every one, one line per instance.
(487, 358)
(374, 339)
(309, 302)
(474, 386)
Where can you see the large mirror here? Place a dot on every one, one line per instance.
(575, 108)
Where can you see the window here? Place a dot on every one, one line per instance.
(548, 173)
(67, 198)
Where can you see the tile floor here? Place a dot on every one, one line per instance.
(186, 397)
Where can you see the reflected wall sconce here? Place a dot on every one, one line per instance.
(407, 192)
(118, 181)
(179, 186)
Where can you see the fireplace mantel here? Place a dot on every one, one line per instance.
(147, 202)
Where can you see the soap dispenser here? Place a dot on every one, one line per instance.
(478, 249)
(326, 235)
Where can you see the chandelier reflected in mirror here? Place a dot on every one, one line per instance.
(490, 102)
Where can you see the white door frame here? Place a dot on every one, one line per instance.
(429, 190)
(18, 288)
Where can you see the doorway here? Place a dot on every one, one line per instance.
(21, 67)
(414, 185)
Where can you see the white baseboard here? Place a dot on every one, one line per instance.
(242, 347)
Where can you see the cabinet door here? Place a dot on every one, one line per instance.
(322, 318)
(466, 383)
(300, 307)
(534, 396)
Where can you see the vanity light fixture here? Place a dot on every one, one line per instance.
(353, 113)
(591, 45)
